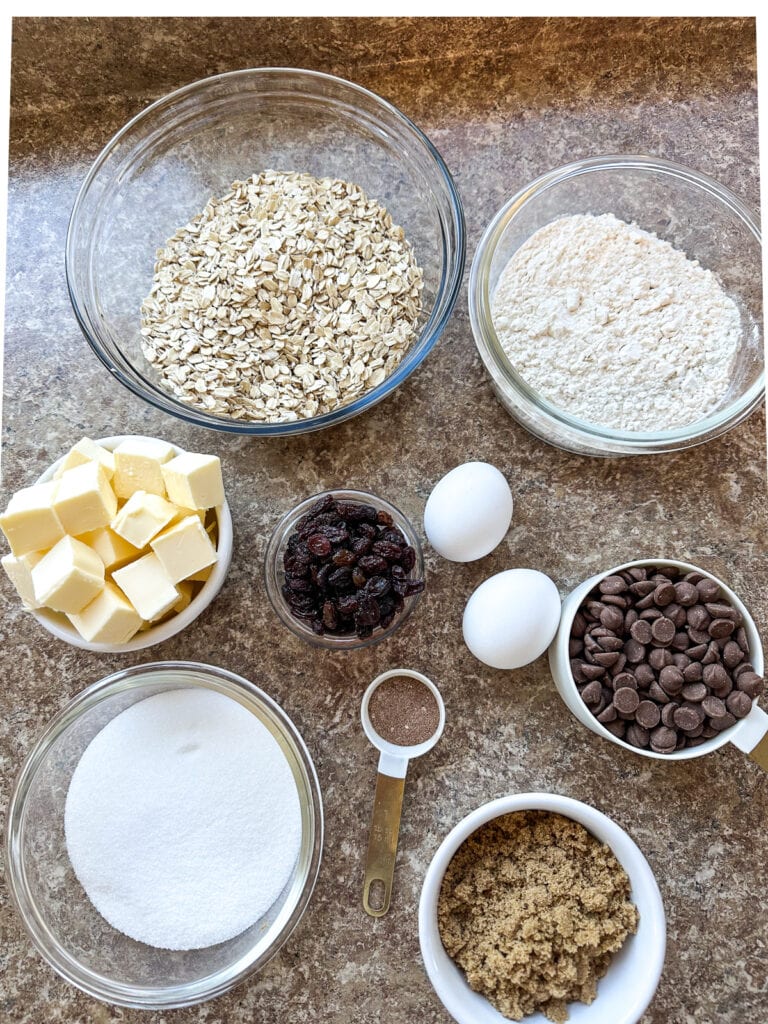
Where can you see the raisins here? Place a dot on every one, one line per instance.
(347, 569)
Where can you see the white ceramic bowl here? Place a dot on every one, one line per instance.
(60, 626)
(628, 987)
(747, 732)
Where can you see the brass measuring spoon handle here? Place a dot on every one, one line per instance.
(382, 844)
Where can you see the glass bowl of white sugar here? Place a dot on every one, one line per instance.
(616, 303)
(164, 835)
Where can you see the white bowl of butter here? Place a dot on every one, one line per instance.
(162, 594)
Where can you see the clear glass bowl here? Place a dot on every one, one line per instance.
(691, 211)
(274, 573)
(63, 924)
(164, 165)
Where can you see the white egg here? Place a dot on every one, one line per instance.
(468, 512)
(512, 618)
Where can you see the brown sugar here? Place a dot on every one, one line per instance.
(532, 908)
(403, 710)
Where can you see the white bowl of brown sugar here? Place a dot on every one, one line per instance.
(570, 926)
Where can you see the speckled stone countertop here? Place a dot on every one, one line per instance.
(503, 101)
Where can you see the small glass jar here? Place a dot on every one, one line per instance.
(274, 572)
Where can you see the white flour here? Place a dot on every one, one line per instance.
(182, 820)
(615, 326)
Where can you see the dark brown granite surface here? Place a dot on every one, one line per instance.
(503, 101)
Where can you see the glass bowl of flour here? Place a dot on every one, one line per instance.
(164, 835)
(616, 303)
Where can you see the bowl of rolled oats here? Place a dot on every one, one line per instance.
(268, 251)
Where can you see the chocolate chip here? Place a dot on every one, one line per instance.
(610, 714)
(686, 593)
(617, 728)
(693, 577)
(698, 617)
(668, 714)
(744, 666)
(680, 641)
(660, 658)
(693, 673)
(707, 733)
(663, 739)
(750, 683)
(712, 655)
(713, 707)
(681, 661)
(606, 658)
(575, 647)
(699, 636)
(739, 704)
(708, 589)
(637, 735)
(592, 693)
(664, 594)
(626, 700)
(694, 691)
(594, 609)
(641, 631)
(612, 618)
(671, 680)
(634, 651)
(577, 671)
(656, 692)
(720, 610)
(644, 675)
(715, 676)
(612, 585)
(740, 636)
(619, 666)
(648, 714)
(719, 724)
(642, 588)
(611, 643)
(649, 614)
(593, 671)
(625, 679)
(579, 625)
(676, 614)
(719, 628)
(663, 631)
(697, 653)
(732, 654)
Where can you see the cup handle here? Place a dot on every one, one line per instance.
(752, 736)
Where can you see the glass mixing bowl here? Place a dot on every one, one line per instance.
(63, 924)
(161, 169)
(691, 211)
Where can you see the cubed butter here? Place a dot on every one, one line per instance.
(111, 548)
(84, 451)
(68, 577)
(138, 464)
(84, 499)
(184, 548)
(18, 569)
(141, 517)
(30, 522)
(110, 618)
(194, 481)
(202, 576)
(146, 585)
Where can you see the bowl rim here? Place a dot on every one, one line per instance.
(560, 669)
(58, 625)
(489, 346)
(134, 677)
(273, 570)
(604, 828)
(447, 289)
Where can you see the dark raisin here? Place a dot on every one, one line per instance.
(373, 564)
(367, 530)
(361, 545)
(378, 586)
(330, 620)
(413, 587)
(358, 577)
(344, 557)
(400, 587)
(335, 534)
(353, 512)
(384, 518)
(386, 549)
(347, 604)
(298, 583)
(319, 545)
(394, 537)
(397, 572)
(368, 612)
(322, 575)
(341, 578)
(386, 620)
(408, 558)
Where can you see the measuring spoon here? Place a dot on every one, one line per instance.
(388, 802)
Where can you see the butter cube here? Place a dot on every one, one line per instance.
(202, 576)
(109, 619)
(84, 499)
(184, 548)
(141, 517)
(194, 481)
(146, 585)
(19, 572)
(137, 466)
(68, 577)
(84, 451)
(30, 522)
(111, 548)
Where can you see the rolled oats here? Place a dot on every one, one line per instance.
(286, 298)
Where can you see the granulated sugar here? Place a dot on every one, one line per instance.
(615, 326)
(182, 820)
